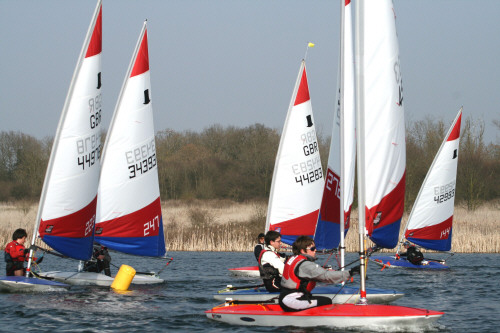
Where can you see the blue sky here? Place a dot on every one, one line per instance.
(235, 62)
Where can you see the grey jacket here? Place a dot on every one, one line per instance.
(314, 272)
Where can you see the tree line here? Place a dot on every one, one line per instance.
(237, 163)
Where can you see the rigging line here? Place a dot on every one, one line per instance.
(168, 262)
(327, 259)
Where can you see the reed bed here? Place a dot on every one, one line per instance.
(222, 225)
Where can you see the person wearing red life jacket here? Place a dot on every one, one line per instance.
(301, 274)
(15, 254)
(271, 263)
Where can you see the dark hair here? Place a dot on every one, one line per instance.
(271, 235)
(261, 235)
(301, 243)
(19, 233)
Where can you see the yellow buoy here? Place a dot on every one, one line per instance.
(124, 278)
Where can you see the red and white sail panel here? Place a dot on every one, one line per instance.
(430, 222)
(298, 182)
(328, 234)
(129, 215)
(68, 202)
(384, 126)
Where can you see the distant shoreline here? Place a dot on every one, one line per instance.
(228, 226)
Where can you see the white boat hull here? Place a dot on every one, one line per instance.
(96, 279)
(390, 318)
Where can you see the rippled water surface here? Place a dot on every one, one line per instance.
(468, 294)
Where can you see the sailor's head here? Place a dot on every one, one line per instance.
(406, 244)
(260, 238)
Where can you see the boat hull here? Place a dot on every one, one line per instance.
(248, 271)
(96, 279)
(392, 262)
(24, 284)
(336, 315)
(339, 295)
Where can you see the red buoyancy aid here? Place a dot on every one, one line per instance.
(290, 278)
(16, 251)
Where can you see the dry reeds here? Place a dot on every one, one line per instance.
(222, 225)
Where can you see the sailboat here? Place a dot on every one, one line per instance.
(376, 57)
(430, 221)
(67, 209)
(329, 232)
(297, 180)
(129, 218)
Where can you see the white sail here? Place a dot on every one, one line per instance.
(383, 133)
(431, 218)
(129, 215)
(342, 156)
(298, 176)
(66, 213)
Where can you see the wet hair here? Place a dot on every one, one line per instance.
(19, 233)
(271, 235)
(301, 243)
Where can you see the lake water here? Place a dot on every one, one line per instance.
(468, 294)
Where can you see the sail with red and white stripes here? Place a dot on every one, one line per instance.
(297, 183)
(67, 210)
(431, 218)
(383, 136)
(129, 215)
(329, 230)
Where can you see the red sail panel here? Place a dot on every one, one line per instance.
(128, 226)
(141, 64)
(303, 91)
(95, 45)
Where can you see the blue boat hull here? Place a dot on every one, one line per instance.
(340, 294)
(24, 284)
(392, 262)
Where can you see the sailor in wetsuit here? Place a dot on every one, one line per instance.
(101, 261)
(412, 254)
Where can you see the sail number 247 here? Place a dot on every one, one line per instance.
(151, 225)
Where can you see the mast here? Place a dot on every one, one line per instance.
(342, 141)
(360, 126)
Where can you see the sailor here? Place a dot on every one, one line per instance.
(271, 263)
(300, 276)
(260, 246)
(101, 263)
(412, 254)
(15, 254)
